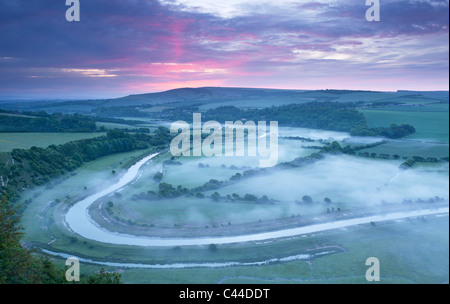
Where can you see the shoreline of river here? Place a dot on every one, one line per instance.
(79, 221)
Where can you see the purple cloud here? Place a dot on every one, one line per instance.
(124, 47)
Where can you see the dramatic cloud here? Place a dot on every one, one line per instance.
(133, 46)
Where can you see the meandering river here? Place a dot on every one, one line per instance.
(80, 222)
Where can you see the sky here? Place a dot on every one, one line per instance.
(122, 47)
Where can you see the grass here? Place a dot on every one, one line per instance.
(391, 243)
(93, 175)
(255, 103)
(10, 141)
(111, 125)
(410, 148)
(430, 126)
(412, 251)
(47, 226)
(18, 115)
(194, 212)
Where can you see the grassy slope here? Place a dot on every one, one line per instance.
(429, 125)
(393, 246)
(10, 141)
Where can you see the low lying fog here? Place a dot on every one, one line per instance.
(348, 179)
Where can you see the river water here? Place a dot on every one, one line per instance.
(80, 222)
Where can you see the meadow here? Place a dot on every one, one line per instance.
(392, 243)
(352, 183)
(430, 126)
(412, 250)
(10, 141)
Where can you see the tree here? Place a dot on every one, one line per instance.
(199, 195)
(419, 159)
(162, 130)
(408, 164)
(307, 199)
(215, 196)
(104, 277)
(212, 247)
(17, 264)
(158, 176)
(167, 190)
(237, 176)
(115, 133)
(250, 197)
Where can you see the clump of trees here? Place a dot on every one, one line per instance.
(212, 247)
(36, 166)
(212, 184)
(44, 122)
(333, 116)
(393, 131)
(18, 265)
(318, 115)
(158, 176)
(307, 199)
(410, 162)
(168, 191)
(104, 277)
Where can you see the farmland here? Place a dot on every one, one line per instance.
(313, 183)
(10, 141)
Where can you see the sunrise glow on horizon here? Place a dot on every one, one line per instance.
(120, 48)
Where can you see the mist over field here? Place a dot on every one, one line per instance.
(329, 192)
(128, 134)
(352, 181)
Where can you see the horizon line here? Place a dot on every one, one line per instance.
(28, 98)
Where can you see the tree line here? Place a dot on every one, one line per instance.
(43, 122)
(393, 131)
(19, 265)
(333, 116)
(27, 121)
(37, 166)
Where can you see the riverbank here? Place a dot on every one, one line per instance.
(79, 221)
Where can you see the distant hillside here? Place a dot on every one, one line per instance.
(212, 97)
(43, 122)
(199, 96)
(427, 94)
(219, 96)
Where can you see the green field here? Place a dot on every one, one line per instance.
(89, 178)
(256, 103)
(351, 182)
(10, 141)
(410, 148)
(111, 125)
(430, 126)
(410, 251)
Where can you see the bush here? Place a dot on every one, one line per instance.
(307, 199)
(158, 176)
